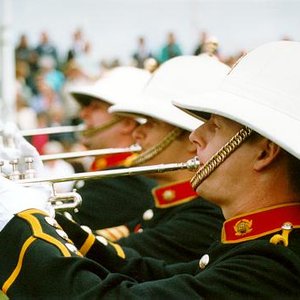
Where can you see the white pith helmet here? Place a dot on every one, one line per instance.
(117, 85)
(175, 78)
(262, 92)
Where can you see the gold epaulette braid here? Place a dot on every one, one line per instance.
(153, 151)
(220, 156)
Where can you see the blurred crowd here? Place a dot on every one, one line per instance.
(44, 77)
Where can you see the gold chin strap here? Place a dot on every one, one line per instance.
(92, 131)
(220, 156)
(153, 151)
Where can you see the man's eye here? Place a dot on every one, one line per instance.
(151, 122)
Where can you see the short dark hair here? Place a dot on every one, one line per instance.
(293, 166)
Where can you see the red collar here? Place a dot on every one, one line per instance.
(173, 194)
(109, 161)
(260, 223)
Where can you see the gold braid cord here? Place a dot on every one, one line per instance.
(220, 156)
(153, 151)
(92, 131)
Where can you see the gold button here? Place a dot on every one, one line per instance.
(169, 195)
(204, 260)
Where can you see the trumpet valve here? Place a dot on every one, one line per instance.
(15, 175)
(29, 170)
(63, 201)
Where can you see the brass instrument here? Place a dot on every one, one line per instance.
(80, 129)
(98, 152)
(53, 130)
(191, 164)
(63, 201)
(70, 200)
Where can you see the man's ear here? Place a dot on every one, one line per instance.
(268, 152)
(128, 125)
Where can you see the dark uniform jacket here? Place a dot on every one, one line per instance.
(112, 201)
(258, 257)
(179, 227)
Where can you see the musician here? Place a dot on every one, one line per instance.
(255, 180)
(109, 202)
(177, 214)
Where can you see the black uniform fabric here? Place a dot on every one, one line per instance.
(178, 233)
(113, 201)
(36, 263)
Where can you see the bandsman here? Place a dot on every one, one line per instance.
(108, 201)
(170, 229)
(249, 150)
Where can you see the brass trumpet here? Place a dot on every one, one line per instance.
(81, 129)
(54, 130)
(98, 152)
(64, 201)
(191, 165)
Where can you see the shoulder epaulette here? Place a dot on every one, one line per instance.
(110, 161)
(261, 223)
(173, 194)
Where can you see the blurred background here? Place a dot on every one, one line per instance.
(47, 47)
(112, 26)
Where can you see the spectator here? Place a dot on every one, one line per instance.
(77, 45)
(53, 77)
(38, 141)
(170, 49)
(46, 48)
(199, 48)
(142, 53)
(74, 77)
(86, 62)
(211, 47)
(22, 50)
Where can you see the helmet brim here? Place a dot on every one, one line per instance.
(284, 131)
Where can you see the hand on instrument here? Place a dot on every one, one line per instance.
(14, 146)
(13, 196)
